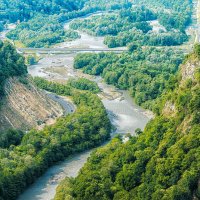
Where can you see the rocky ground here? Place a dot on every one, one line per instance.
(25, 106)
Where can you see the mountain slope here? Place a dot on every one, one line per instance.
(24, 106)
(163, 162)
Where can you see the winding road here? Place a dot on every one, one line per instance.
(66, 105)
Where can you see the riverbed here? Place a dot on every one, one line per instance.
(123, 113)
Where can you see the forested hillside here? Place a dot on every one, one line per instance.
(11, 64)
(22, 105)
(24, 157)
(162, 162)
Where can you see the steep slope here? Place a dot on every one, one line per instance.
(163, 162)
(28, 156)
(24, 106)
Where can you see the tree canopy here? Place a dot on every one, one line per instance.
(11, 63)
(144, 72)
(162, 162)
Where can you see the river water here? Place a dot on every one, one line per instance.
(123, 113)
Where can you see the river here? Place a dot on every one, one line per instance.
(123, 113)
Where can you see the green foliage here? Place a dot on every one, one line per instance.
(57, 88)
(63, 191)
(67, 89)
(133, 26)
(132, 47)
(24, 157)
(10, 137)
(42, 21)
(84, 84)
(160, 163)
(20, 165)
(112, 24)
(197, 50)
(138, 70)
(32, 59)
(11, 63)
(130, 23)
(172, 14)
(13, 10)
(154, 39)
(41, 31)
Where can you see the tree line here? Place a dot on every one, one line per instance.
(162, 162)
(42, 22)
(11, 64)
(132, 25)
(144, 72)
(41, 31)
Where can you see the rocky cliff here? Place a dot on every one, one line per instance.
(24, 106)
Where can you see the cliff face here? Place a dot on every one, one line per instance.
(189, 68)
(187, 72)
(24, 106)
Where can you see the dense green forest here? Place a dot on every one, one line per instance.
(112, 24)
(40, 25)
(69, 88)
(130, 23)
(84, 84)
(44, 19)
(173, 13)
(13, 10)
(144, 72)
(42, 31)
(11, 63)
(162, 162)
(133, 25)
(10, 137)
(23, 158)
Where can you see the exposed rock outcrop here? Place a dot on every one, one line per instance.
(189, 68)
(169, 109)
(25, 106)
